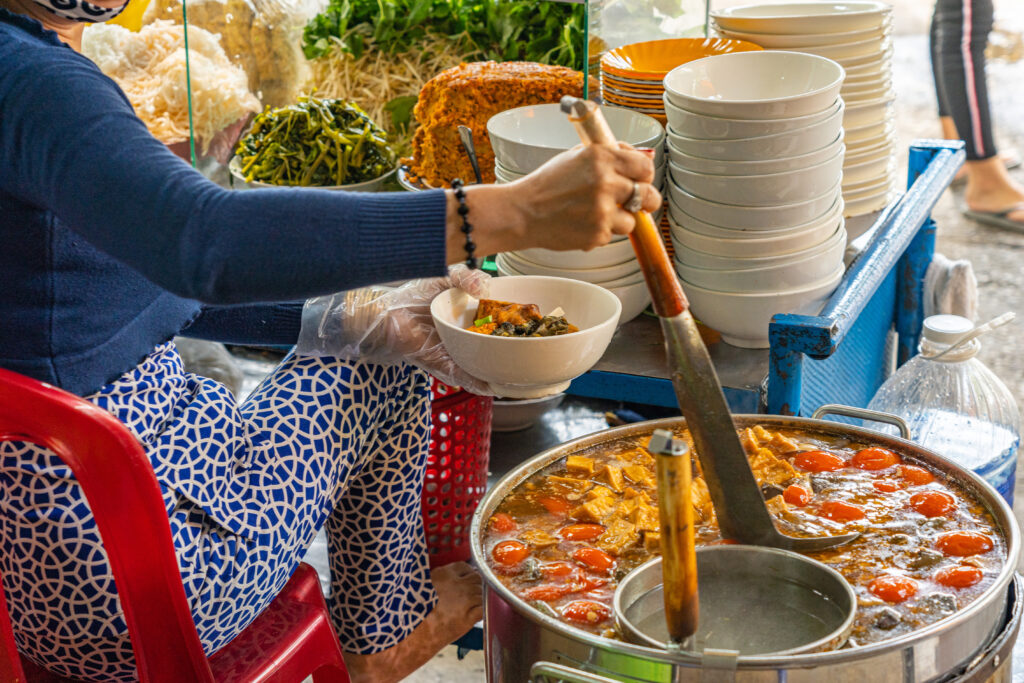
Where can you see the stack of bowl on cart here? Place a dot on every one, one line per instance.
(755, 146)
(525, 138)
(857, 35)
(632, 76)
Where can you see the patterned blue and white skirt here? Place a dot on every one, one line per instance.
(321, 443)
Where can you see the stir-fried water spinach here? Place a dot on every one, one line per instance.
(315, 142)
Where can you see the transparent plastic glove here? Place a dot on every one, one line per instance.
(389, 325)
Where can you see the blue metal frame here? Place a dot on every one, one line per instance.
(882, 289)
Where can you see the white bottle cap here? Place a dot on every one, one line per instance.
(946, 329)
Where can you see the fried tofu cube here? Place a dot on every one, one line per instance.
(612, 474)
(538, 538)
(600, 492)
(768, 468)
(701, 498)
(749, 441)
(618, 536)
(776, 506)
(645, 518)
(782, 444)
(652, 541)
(594, 510)
(638, 456)
(638, 475)
(507, 312)
(627, 505)
(579, 464)
(761, 434)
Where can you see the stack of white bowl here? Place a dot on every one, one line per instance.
(525, 138)
(857, 35)
(755, 146)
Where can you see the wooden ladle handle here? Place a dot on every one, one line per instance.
(666, 293)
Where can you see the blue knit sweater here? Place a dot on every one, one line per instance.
(110, 244)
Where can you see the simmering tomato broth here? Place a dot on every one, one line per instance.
(564, 537)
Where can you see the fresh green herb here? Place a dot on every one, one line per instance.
(316, 142)
(502, 30)
(400, 109)
(481, 321)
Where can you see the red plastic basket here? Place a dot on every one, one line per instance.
(456, 476)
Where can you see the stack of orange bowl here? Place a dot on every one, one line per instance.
(632, 75)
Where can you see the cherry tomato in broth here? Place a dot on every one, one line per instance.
(933, 503)
(796, 495)
(841, 512)
(594, 558)
(581, 532)
(503, 523)
(884, 486)
(546, 593)
(586, 612)
(554, 569)
(958, 577)
(916, 476)
(510, 553)
(963, 543)
(818, 461)
(556, 506)
(874, 459)
(894, 589)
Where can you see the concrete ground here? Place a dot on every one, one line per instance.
(997, 255)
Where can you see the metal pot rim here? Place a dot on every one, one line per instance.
(971, 482)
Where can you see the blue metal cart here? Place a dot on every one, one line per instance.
(841, 355)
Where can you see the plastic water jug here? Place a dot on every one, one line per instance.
(955, 405)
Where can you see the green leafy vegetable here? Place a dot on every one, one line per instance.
(482, 321)
(502, 30)
(316, 142)
(400, 109)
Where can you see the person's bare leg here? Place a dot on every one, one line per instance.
(949, 133)
(459, 607)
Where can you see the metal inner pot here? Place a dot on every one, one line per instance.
(745, 593)
(517, 635)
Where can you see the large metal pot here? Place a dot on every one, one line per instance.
(517, 635)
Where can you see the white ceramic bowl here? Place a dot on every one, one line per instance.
(534, 366)
(855, 98)
(754, 167)
(755, 85)
(790, 41)
(769, 189)
(868, 193)
(752, 217)
(854, 136)
(880, 66)
(513, 415)
(864, 149)
(595, 275)
(852, 51)
(803, 17)
(774, 273)
(753, 257)
(866, 205)
(742, 319)
(634, 298)
(870, 186)
(696, 236)
(868, 58)
(611, 254)
(867, 170)
(875, 87)
(785, 144)
(524, 138)
(867, 113)
(701, 127)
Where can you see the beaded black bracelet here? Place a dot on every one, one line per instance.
(467, 227)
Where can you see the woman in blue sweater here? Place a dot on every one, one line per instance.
(112, 245)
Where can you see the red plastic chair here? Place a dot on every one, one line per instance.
(290, 640)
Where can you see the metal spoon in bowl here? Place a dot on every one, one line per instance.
(466, 135)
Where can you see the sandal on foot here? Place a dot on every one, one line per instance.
(999, 219)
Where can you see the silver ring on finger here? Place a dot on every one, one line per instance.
(636, 200)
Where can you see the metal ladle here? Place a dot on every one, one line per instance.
(737, 499)
(466, 136)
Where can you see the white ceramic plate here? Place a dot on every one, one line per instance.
(787, 41)
(803, 17)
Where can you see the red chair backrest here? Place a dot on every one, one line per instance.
(124, 496)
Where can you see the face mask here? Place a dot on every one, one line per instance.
(80, 10)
